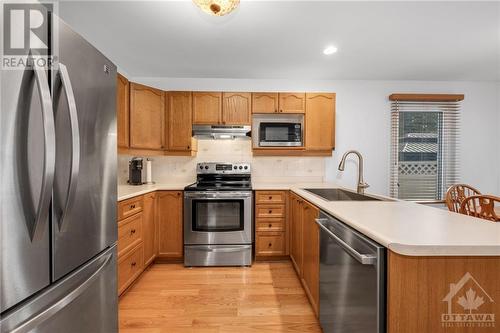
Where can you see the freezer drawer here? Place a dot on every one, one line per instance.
(83, 302)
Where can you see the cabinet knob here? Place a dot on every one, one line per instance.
(189, 147)
(270, 211)
(133, 264)
(270, 244)
(281, 110)
(270, 197)
(132, 231)
(270, 225)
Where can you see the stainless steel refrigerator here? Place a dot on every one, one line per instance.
(58, 185)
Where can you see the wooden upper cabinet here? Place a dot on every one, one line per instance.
(320, 121)
(207, 108)
(265, 102)
(292, 102)
(147, 117)
(180, 122)
(236, 108)
(122, 115)
(170, 236)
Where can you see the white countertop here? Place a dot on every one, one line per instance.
(412, 229)
(403, 227)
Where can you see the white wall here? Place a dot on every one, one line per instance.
(363, 122)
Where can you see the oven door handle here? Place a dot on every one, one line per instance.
(218, 196)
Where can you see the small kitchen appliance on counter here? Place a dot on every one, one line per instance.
(218, 228)
(135, 171)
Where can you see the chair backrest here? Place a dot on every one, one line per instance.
(456, 194)
(482, 206)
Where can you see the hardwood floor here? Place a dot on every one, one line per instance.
(266, 297)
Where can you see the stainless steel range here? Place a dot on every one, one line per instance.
(218, 227)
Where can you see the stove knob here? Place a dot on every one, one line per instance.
(240, 167)
(235, 167)
(246, 167)
(206, 167)
(201, 166)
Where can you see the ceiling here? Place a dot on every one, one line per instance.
(285, 39)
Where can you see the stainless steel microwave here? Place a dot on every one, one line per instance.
(280, 134)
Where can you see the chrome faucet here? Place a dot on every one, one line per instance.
(361, 183)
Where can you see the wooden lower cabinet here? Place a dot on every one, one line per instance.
(304, 246)
(129, 233)
(130, 266)
(310, 254)
(296, 232)
(270, 224)
(149, 226)
(170, 222)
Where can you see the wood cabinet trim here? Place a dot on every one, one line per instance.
(408, 97)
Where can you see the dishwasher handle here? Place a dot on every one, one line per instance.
(365, 259)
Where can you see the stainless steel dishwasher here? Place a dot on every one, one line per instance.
(352, 280)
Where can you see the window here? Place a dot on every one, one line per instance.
(424, 149)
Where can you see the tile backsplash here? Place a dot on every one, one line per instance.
(175, 169)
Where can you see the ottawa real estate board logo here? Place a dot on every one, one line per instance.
(468, 305)
(26, 40)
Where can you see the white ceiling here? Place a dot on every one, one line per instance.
(285, 39)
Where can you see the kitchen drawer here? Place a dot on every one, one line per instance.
(130, 266)
(129, 233)
(270, 244)
(270, 224)
(270, 211)
(270, 197)
(129, 207)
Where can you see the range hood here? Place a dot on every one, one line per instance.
(222, 132)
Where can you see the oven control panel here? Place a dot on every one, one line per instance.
(223, 168)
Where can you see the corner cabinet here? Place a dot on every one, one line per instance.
(207, 108)
(236, 108)
(179, 121)
(320, 122)
(122, 111)
(147, 117)
(170, 222)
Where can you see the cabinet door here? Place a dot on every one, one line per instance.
(149, 228)
(122, 111)
(207, 108)
(180, 120)
(170, 234)
(236, 108)
(147, 117)
(265, 103)
(310, 272)
(320, 121)
(296, 234)
(292, 102)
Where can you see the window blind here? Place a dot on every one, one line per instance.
(424, 146)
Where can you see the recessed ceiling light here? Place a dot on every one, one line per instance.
(330, 50)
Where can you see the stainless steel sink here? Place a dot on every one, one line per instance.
(337, 194)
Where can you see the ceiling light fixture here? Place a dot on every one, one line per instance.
(330, 50)
(217, 7)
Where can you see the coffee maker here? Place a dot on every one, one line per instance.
(135, 171)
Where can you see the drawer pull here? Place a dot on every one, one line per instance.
(132, 206)
(270, 211)
(270, 244)
(133, 264)
(270, 225)
(270, 197)
(132, 231)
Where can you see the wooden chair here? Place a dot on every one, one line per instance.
(456, 194)
(482, 206)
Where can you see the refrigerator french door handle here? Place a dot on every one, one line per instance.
(35, 321)
(75, 144)
(42, 212)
